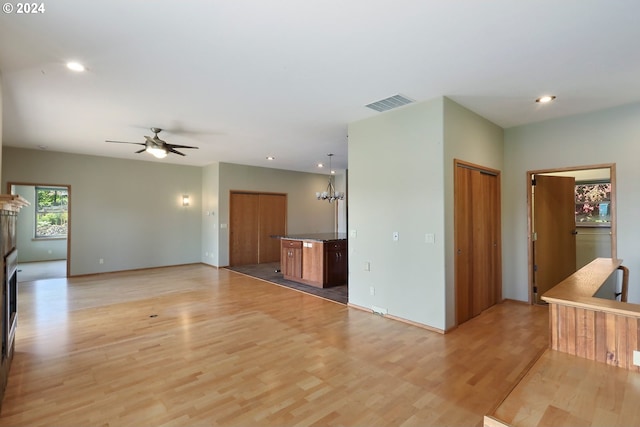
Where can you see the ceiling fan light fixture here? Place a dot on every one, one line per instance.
(158, 153)
(75, 66)
(545, 99)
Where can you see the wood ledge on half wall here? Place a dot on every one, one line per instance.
(13, 202)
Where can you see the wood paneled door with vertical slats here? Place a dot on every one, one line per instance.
(478, 260)
(254, 219)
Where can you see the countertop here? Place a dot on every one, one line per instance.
(578, 289)
(316, 237)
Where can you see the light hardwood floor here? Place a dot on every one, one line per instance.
(193, 345)
(565, 390)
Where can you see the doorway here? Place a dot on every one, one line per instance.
(571, 220)
(43, 230)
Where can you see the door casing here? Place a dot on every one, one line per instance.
(613, 209)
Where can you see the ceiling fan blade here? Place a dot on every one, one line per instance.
(126, 142)
(171, 150)
(181, 146)
(141, 151)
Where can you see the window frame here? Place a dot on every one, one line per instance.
(38, 212)
(595, 223)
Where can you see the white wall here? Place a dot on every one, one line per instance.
(473, 139)
(31, 249)
(608, 136)
(127, 212)
(396, 184)
(305, 214)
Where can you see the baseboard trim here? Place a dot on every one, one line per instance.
(398, 319)
(141, 269)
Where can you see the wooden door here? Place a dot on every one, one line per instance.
(272, 222)
(463, 242)
(254, 219)
(478, 272)
(243, 229)
(554, 228)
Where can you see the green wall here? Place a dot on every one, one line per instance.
(305, 214)
(606, 136)
(126, 212)
(401, 179)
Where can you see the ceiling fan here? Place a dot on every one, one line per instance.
(156, 146)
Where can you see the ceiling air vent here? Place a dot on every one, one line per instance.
(390, 103)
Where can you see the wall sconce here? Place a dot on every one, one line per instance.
(185, 200)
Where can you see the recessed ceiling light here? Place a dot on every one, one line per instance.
(320, 165)
(545, 99)
(75, 66)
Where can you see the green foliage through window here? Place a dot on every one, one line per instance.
(52, 204)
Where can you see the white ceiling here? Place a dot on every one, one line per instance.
(245, 79)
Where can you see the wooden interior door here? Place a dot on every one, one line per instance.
(478, 272)
(254, 218)
(463, 243)
(243, 229)
(272, 222)
(554, 228)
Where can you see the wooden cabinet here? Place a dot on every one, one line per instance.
(291, 259)
(314, 262)
(335, 263)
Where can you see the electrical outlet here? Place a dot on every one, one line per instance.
(367, 266)
(372, 290)
(379, 310)
(101, 261)
(396, 236)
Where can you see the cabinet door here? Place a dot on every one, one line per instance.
(291, 259)
(335, 263)
(312, 262)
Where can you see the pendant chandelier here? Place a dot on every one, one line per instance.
(330, 194)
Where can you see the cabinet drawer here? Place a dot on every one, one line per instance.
(291, 244)
(336, 246)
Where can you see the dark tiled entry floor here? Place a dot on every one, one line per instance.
(269, 272)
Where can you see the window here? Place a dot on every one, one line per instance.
(52, 205)
(593, 203)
